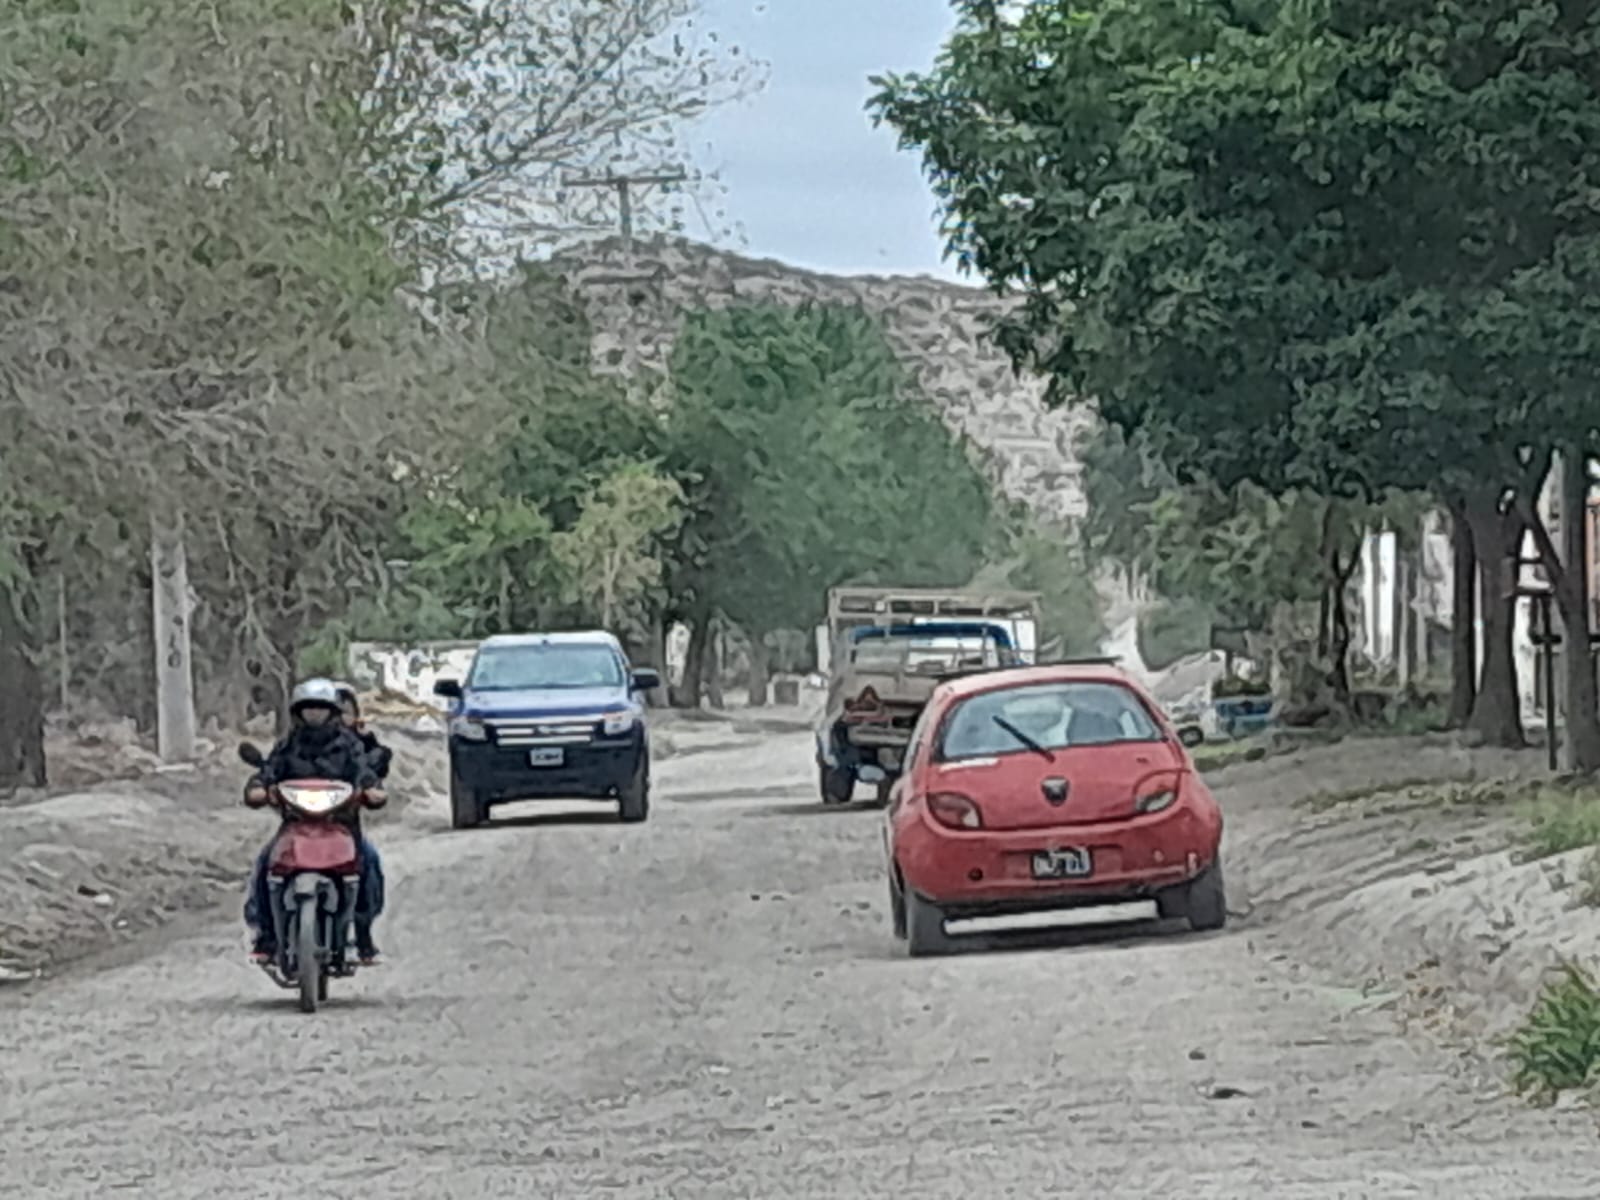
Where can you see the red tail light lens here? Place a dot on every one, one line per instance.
(955, 811)
(1156, 793)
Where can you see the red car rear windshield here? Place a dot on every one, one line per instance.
(1048, 716)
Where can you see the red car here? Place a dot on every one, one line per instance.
(1033, 790)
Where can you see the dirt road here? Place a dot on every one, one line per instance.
(712, 1006)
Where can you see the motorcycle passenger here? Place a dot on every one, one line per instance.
(369, 902)
(317, 746)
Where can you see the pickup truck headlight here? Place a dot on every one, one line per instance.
(469, 729)
(618, 722)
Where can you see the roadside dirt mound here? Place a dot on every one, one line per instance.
(84, 870)
(81, 871)
(1411, 893)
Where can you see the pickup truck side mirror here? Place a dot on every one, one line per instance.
(646, 679)
(450, 689)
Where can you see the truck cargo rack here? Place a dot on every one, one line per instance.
(889, 606)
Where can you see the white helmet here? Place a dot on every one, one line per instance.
(314, 693)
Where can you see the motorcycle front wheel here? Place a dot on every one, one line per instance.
(307, 963)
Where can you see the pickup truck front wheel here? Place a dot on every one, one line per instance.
(467, 810)
(837, 784)
(633, 801)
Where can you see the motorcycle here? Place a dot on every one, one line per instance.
(313, 878)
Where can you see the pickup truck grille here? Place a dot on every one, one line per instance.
(555, 731)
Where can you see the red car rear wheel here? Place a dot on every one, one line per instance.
(925, 934)
(1206, 902)
(897, 908)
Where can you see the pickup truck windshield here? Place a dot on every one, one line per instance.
(921, 654)
(545, 665)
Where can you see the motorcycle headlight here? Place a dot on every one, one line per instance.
(618, 722)
(469, 729)
(316, 798)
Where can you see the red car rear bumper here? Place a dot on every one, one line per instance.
(991, 868)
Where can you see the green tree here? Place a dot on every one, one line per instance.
(484, 535)
(200, 328)
(809, 461)
(1281, 234)
(1041, 556)
(611, 555)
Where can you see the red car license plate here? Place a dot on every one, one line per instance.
(1062, 864)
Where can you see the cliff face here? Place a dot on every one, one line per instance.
(937, 328)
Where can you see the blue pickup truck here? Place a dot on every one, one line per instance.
(547, 716)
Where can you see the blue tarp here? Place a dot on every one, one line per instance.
(930, 629)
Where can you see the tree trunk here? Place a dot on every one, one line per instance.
(1401, 600)
(1497, 710)
(759, 674)
(1463, 617)
(694, 661)
(1325, 624)
(1339, 643)
(657, 625)
(169, 598)
(1334, 606)
(22, 759)
(713, 668)
(1571, 576)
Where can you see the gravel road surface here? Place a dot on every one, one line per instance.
(710, 1006)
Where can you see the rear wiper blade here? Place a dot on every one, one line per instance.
(1024, 738)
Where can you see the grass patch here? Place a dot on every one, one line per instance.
(1557, 1049)
(1561, 817)
(1214, 756)
(1588, 889)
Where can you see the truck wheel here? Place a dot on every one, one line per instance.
(466, 808)
(925, 935)
(881, 796)
(633, 801)
(838, 784)
(1206, 904)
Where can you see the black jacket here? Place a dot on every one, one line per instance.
(379, 756)
(323, 752)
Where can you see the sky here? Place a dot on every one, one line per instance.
(809, 180)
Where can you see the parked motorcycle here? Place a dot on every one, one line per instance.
(313, 878)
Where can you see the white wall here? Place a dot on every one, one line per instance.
(410, 670)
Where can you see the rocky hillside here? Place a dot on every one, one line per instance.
(936, 327)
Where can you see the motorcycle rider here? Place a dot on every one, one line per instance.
(369, 902)
(317, 746)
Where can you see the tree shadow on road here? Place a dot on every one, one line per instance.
(285, 1003)
(1144, 935)
(817, 809)
(534, 820)
(539, 820)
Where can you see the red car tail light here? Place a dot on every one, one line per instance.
(955, 811)
(1157, 793)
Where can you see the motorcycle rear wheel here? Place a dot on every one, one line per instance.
(307, 964)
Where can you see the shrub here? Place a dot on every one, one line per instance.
(1557, 1049)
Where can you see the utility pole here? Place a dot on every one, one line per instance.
(624, 186)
